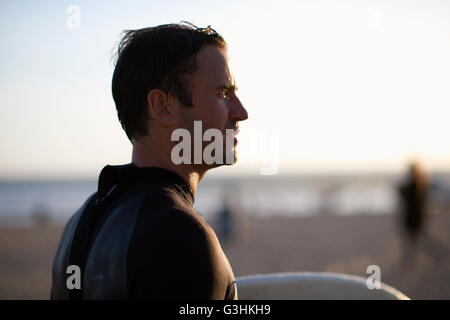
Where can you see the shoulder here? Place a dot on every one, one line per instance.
(192, 227)
(166, 210)
(175, 226)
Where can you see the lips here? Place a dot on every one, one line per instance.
(234, 133)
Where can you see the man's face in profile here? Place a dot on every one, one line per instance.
(214, 97)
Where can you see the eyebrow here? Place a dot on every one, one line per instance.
(229, 85)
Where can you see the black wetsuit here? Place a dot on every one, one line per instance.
(138, 237)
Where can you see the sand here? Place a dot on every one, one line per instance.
(276, 244)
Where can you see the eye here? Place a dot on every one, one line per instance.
(224, 93)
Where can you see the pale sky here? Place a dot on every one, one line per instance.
(341, 85)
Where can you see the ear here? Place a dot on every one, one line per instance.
(160, 108)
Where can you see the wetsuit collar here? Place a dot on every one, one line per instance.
(129, 174)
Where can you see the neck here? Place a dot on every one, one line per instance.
(143, 156)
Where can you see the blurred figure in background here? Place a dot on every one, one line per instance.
(413, 195)
(40, 214)
(226, 221)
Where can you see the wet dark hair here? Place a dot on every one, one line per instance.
(156, 57)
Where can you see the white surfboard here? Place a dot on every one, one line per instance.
(312, 285)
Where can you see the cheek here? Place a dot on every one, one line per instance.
(214, 112)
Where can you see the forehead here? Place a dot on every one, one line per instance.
(212, 67)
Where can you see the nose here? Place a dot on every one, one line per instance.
(238, 112)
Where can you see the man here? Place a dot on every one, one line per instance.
(138, 236)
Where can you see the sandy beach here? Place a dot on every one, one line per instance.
(263, 245)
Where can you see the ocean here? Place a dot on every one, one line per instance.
(43, 201)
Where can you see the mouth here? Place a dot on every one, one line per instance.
(231, 131)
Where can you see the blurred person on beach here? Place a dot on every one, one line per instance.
(413, 195)
(226, 220)
(138, 236)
